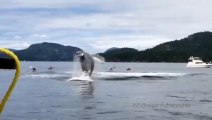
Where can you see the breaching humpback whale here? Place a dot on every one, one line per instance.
(87, 62)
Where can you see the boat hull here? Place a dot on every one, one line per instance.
(199, 66)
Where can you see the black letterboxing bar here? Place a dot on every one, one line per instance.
(6, 63)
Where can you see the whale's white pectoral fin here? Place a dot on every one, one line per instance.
(98, 59)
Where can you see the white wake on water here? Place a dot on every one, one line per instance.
(82, 77)
(149, 74)
(103, 75)
(44, 75)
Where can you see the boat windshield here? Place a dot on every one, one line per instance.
(197, 58)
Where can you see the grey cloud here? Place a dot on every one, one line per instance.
(164, 20)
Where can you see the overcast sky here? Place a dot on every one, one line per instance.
(96, 25)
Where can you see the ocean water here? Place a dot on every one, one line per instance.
(149, 91)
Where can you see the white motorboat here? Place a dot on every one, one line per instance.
(197, 62)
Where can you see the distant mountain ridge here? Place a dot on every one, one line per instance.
(198, 44)
(47, 52)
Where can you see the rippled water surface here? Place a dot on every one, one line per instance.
(149, 91)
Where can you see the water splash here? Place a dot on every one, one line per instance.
(77, 71)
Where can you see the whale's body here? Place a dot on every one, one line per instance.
(87, 62)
